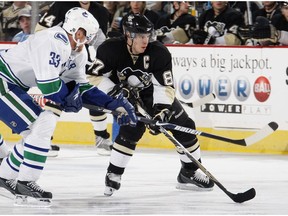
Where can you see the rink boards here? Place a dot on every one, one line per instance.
(250, 84)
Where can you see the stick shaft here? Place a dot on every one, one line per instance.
(264, 132)
(235, 197)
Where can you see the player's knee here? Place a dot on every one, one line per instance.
(97, 116)
(184, 137)
(44, 125)
(133, 134)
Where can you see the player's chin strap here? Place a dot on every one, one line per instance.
(130, 46)
(78, 44)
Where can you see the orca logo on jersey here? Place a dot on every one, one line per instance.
(135, 78)
(62, 37)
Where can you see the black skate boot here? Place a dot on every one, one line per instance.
(54, 150)
(27, 189)
(188, 179)
(8, 184)
(112, 182)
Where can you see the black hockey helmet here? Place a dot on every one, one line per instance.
(137, 23)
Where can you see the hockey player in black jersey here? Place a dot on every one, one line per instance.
(146, 68)
(173, 27)
(219, 25)
(56, 14)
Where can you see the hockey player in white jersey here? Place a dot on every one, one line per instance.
(54, 61)
(55, 16)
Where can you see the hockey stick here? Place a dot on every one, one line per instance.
(239, 197)
(259, 135)
(201, 101)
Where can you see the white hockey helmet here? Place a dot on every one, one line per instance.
(77, 18)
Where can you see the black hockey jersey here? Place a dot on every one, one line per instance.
(185, 21)
(280, 22)
(269, 15)
(144, 71)
(222, 22)
(56, 14)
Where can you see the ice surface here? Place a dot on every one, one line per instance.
(76, 179)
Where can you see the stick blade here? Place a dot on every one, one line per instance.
(206, 99)
(261, 134)
(243, 197)
(201, 101)
(273, 125)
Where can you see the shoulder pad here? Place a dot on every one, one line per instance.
(61, 37)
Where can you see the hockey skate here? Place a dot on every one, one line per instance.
(193, 180)
(112, 182)
(103, 146)
(53, 151)
(28, 193)
(9, 185)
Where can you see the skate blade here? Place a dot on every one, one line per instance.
(25, 201)
(109, 191)
(7, 194)
(191, 187)
(52, 153)
(103, 152)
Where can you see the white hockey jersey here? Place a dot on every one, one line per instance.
(42, 59)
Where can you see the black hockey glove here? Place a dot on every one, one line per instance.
(201, 37)
(55, 108)
(264, 31)
(72, 102)
(245, 32)
(161, 113)
(160, 33)
(128, 92)
(128, 116)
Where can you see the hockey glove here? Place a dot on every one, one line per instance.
(202, 37)
(55, 108)
(128, 92)
(73, 102)
(160, 33)
(264, 31)
(120, 88)
(161, 113)
(122, 105)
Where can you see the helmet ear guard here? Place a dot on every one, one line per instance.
(77, 18)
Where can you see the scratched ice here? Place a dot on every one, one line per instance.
(76, 178)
